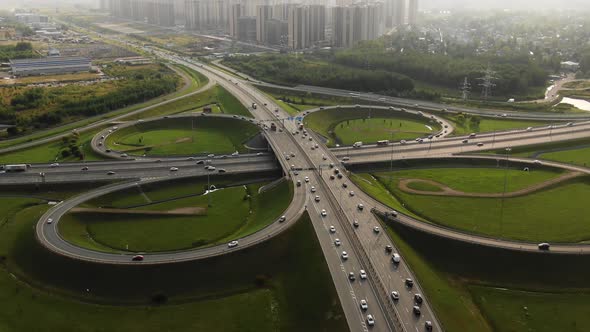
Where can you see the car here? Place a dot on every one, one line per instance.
(124, 155)
(332, 229)
(331, 165)
(287, 157)
(298, 183)
(394, 295)
(332, 177)
(282, 218)
(236, 153)
(537, 162)
(363, 274)
(232, 244)
(306, 179)
(529, 129)
(376, 229)
(370, 320)
(312, 189)
(480, 144)
(360, 207)
(416, 310)
(428, 325)
(344, 255)
(310, 138)
(210, 155)
(351, 193)
(316, 146)
(99, 143)
(465, 141)
(102, 137)
(312, 148)
(351, 276)
(570, 124)
(200, 162)
(418, 299)
(409, 282)
(54, 165)
(355, 223)
(388, 248)
(403, 142)
(110, 173)
(364, 305)
(190, 158)
(173, 169)
(324, 157)
(544, 246)
(396, 258)
(339, 175)
(344, 185)
(324, 213)
(137, 258)
(337, 242)
(221, 170)
(317, 198)
(336, 171)
(49, 220)
(85, 168)
(292, 155)
(472, 135)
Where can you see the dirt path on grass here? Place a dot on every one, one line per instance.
(187, 211)
(447, 191)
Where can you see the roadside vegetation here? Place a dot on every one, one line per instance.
(349, 125)
(266, 294)
(173, 136)
(32, 108)
(575, 152)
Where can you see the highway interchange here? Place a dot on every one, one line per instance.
(365, 246)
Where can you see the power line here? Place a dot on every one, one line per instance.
(487, 82)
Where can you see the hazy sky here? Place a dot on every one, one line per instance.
(517, 4)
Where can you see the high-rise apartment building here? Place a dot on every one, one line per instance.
(298, 27)
(317, 23)
(412, 12)
(351, 24)
(234, 16)
(263, 14)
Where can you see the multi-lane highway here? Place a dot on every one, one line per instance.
(335, 207)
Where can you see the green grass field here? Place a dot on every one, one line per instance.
(43, 292)
(346, 126)
(184, 137)
(375, 129)
(529, 310)
(229, 215)
(542, 220)
(466, 127)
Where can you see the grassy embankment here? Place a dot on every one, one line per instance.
(44, 292)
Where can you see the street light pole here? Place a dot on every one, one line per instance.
(504, 192)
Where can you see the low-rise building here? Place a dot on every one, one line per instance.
(50, 66)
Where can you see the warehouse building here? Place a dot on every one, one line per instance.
(50, 66)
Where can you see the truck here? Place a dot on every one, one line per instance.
(16, 168)
(383, 142)
(357, 145)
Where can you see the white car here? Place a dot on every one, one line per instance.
(332, 229)
(173, 169)
(324, 157)
(396, 258)
(370, 320)
(324, 213)
(364, 305)
(49, 220)
(395, 295)
(307, 179)
(363, 274)
(360, 207)
(282, 218)
(376, 229)
(344, 255)
(317, 198)
(54, 165)
(337, 242)
(312, 189)
(232, 244)
(351, 193)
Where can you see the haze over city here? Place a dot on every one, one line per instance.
(294, 165)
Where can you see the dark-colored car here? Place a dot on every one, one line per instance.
(137, 258)
(409, 282)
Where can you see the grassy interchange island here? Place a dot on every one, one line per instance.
(348, 125)
(176, 216)
(473, 200)
(182, 136)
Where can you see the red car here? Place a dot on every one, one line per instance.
(137, 258)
